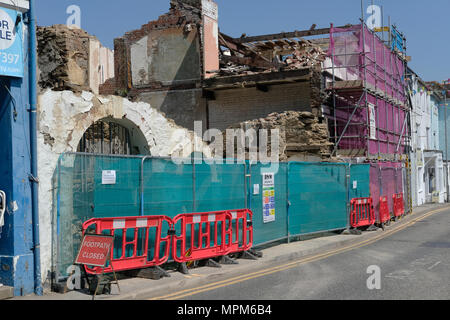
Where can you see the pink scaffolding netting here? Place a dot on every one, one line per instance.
(359, 54)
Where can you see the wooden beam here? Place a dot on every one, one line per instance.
(295, 34)
(261, 78)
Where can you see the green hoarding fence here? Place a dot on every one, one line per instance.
(302, 198)
(318, 197)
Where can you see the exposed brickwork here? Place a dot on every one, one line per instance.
(108, 88)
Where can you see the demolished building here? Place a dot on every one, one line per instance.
(337, 97)
(348, 80)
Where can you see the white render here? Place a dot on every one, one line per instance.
(428, 177)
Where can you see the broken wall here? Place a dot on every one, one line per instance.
(63, 118)
(302, 136)
(72, 65)
(164, 62)
(71, 59)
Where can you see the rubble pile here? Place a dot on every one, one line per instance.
(301, 133)
(298, 55)
(306, 56)
(229, 68)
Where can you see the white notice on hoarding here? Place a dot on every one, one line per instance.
(108, 177)
(256, 189)
(373, 122)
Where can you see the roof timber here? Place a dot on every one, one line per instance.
(284, 35)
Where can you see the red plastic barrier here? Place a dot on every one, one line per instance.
(362, 213)
(385, 216)
(242, 230)
(399, 205)
(198, 239)
(141, 228)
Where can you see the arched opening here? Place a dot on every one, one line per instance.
(113, 136)
(83, 195)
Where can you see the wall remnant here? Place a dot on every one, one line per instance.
(64, 117)
(71, 59)
(72, 67)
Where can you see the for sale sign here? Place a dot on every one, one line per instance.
(94, 250)
(11, 43)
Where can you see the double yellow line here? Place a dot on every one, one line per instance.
(219, 284)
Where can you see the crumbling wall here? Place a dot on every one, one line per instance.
(302, 136)
(162, 53)
(63, 118)
(71, 59)
(63, 58)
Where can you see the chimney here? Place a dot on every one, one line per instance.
(210, 32)
(210, 39)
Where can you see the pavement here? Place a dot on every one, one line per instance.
(139, 288)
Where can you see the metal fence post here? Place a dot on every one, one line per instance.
(194, 205)
(347, 182)
(142, 186)
(288, 204)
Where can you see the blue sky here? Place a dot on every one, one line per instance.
(426, 24)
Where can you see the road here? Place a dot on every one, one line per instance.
(413, 263)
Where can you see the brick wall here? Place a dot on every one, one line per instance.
(238, 105)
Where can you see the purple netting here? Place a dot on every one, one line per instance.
(386, 179)
(383, 73)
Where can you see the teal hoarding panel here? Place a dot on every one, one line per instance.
(318, 197)
(219, 187)
(301, 198)
(119, 196)
(168, 187)
(359, 181)
(265, 232)
(11, 43)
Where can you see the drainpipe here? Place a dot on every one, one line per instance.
(33, 148)
(446, 141)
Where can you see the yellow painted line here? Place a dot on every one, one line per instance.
(290, 265)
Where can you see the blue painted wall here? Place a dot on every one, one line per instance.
(16, 242)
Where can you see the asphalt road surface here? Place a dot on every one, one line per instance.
(413, 263)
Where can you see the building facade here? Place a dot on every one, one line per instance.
(428, 174)
(16, 226)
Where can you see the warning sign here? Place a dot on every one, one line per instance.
(268, 197)
(94, 250)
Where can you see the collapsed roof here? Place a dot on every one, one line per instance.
(267, 56)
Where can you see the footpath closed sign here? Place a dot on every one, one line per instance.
(94, 250)
(11, 43)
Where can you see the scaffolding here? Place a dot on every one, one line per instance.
(370, 103)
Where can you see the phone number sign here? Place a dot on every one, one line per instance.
(11, 43)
